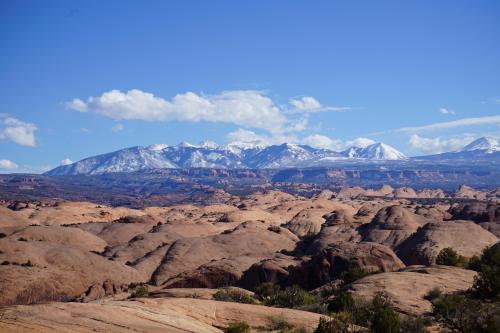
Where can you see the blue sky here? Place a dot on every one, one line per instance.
(80, 78)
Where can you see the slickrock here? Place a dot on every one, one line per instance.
(391, 226)
(407, 287)
(465, 237)
(177, 315)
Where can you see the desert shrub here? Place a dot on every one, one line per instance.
(291, 297)
(466, 315)
(487, 282)
(238, 327)
(433, 294)
(384, 318)
(415, 325)
(332, 326)
(266, 290)
(41, 292)
(474, 263)
(2, 235)
(354, 274)
(342, 302)
(279, 323)
(450, 257)
(22, 239)
(227, 295)
(141, 290)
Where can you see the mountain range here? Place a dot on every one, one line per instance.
(252, 155)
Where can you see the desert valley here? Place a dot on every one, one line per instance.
(265, 166)
(271, 260)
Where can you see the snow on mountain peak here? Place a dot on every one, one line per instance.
(375, 151)
(382, 151)
(185, 144)
(157, 146)
(208, 144)
(236, 154)
(487, 144)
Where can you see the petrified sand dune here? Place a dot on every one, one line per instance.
(75, 212)
(61, 235)
(307, 222)
(146, 315)
(392, 225)
(465, 237)
(248, 243)
(10, 218)
(407, 287)
(477, 212)
(330, 262)
(34, 271)
(81, 251)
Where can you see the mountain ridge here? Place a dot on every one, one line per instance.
(255, 155)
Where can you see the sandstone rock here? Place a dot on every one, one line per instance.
(250, 242)
(43, 271)
(407, 287)
(275, 270)
(465, 237)
(307, 222)
(477, 212)
(61, 235)
(176, 315)
(391, 226)
(329, 264)
(467, 192)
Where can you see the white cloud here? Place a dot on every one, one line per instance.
(322, 141)
(243, 135)
(17, 131)
(439, 145)
(310, 104)
(305, 103)
(477, 121)
(77, 105)
(446, 111)
(7, 165)
(84, 130)
(117, 128)
(246, 108)
(66, 161)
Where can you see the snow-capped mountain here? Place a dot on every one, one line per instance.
(486, 144)
(233, 155)
(376, 151)
(484, 148)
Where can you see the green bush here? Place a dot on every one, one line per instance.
(384, 319)
(342, 302)
(291, 297)
(487, 282)
(433, 294)
(228, 295)
(450, 257)
(266, 290)
(332, 326)
(238, 327)
(474, 263)
(354, 274)
(141, 290)
(279, 323)
(415, 325)
(462, 314)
